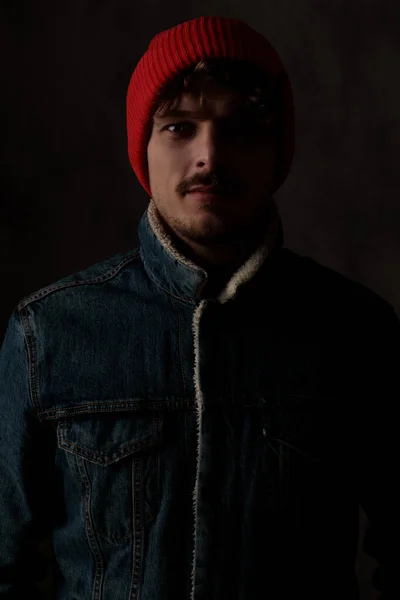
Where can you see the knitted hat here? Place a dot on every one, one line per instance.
(176, 49)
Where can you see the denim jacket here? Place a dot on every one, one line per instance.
(177, 447)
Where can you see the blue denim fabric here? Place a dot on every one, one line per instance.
(174, 447)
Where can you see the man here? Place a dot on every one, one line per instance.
(202, 416)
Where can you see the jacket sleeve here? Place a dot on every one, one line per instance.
(24, 468)
(377, 468)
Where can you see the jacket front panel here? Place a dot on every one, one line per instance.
(119, 393)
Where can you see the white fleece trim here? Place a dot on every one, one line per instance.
(199, 405)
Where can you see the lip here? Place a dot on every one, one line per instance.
(204, 190)
(205, 195)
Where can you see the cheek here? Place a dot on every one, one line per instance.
(259, 165)
(155, 164)
(265, 162)
(164, 173)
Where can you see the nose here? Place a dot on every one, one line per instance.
(209, 148)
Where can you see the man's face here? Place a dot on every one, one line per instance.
(219, 144)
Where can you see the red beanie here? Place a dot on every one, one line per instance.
(182, 46)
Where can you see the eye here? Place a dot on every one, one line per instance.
(178, 125)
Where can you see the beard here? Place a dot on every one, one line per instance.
(217, 225)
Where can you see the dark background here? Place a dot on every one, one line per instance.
(69, 197)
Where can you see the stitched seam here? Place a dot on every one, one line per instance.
(100, 279)
(31, 351)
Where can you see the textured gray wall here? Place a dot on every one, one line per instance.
(69, 195)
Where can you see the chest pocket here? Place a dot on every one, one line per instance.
(114, 460)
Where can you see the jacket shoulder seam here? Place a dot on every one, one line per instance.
(45, 291)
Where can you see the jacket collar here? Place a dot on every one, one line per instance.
(176, 274)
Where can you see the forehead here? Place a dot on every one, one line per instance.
(215, 105)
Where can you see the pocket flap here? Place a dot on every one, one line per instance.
(107, 438)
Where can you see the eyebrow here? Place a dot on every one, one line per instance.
(179, 113)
